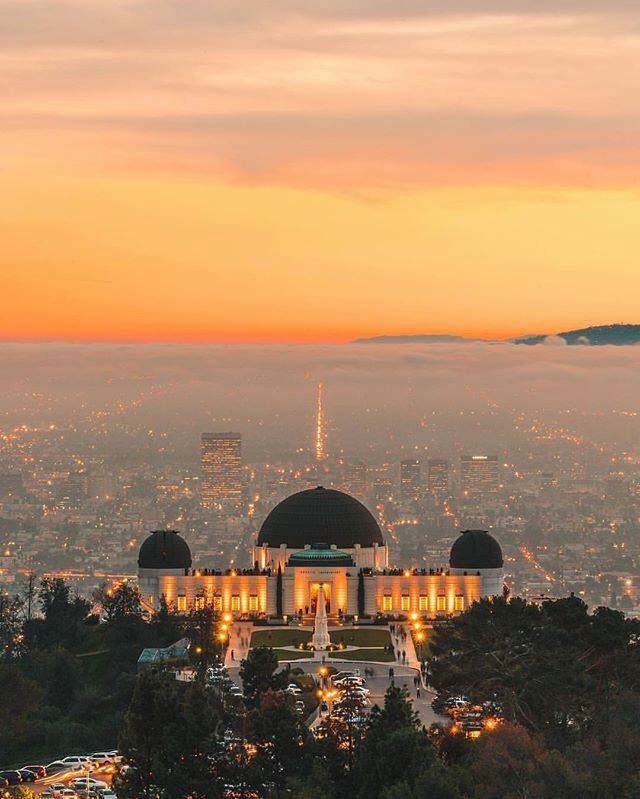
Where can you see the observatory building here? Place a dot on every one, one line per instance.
(321, 538)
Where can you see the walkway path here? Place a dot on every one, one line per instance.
(239, 639)
(403, 642)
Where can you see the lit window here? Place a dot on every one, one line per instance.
(387, 603)
(459, 603)
(423, 602)
(441, 602)
(405, 602)
(182, 603)
(253, 602)
(199, 603)
(217, 602)
(235, 602)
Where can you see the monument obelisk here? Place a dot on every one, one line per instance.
(320, 639)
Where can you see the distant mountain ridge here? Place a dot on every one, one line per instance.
(595, 335)
(414, 339)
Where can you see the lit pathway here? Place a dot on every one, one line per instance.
(238, 648)
(404, 644)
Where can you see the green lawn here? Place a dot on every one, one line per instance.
(365, 654)
(284, 637)
(374, 636)
(287, 654)
(423, 650)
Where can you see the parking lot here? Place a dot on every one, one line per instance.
(70, 777)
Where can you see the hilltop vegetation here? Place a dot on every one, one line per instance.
(598, 335)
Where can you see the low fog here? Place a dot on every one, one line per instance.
(381, 399)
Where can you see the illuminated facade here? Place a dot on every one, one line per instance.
(221, 460)
(350, 565)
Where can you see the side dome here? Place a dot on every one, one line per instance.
(476, 549)
(164, 549)
(320, 514)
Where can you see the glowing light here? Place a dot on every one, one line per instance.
(320, 425)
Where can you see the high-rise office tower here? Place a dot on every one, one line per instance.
(479, 475)
(320, 439)
(356, 479)
(438, 479)
(410, 480)
(221, 455)
(384, 482)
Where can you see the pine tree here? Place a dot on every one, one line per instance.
(361, 607)
(279, 592)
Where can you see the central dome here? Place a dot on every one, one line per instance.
(320, 514)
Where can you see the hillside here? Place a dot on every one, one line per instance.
(414, 339)
(598, 335)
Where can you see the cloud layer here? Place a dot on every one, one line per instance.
(338, 93)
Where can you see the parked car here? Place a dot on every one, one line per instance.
(108, 794)
(12, 777)
(352, 681)
(342, 674)
(41, 771)
(27, 775)
(57, 767)
(74, 762)
(82, 782)
(4, 783)
(68, 793)
(102, 758)
(456, 702)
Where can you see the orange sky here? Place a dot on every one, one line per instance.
(189, 172)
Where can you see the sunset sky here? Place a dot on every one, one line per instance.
(296, 171)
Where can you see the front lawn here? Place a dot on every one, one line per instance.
(423, 650)
(287, 654)
(281, 637)
(380, 655)
(367, 637)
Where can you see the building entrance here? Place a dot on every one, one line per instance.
(313, 594)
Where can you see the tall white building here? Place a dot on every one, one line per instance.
(221, 460)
